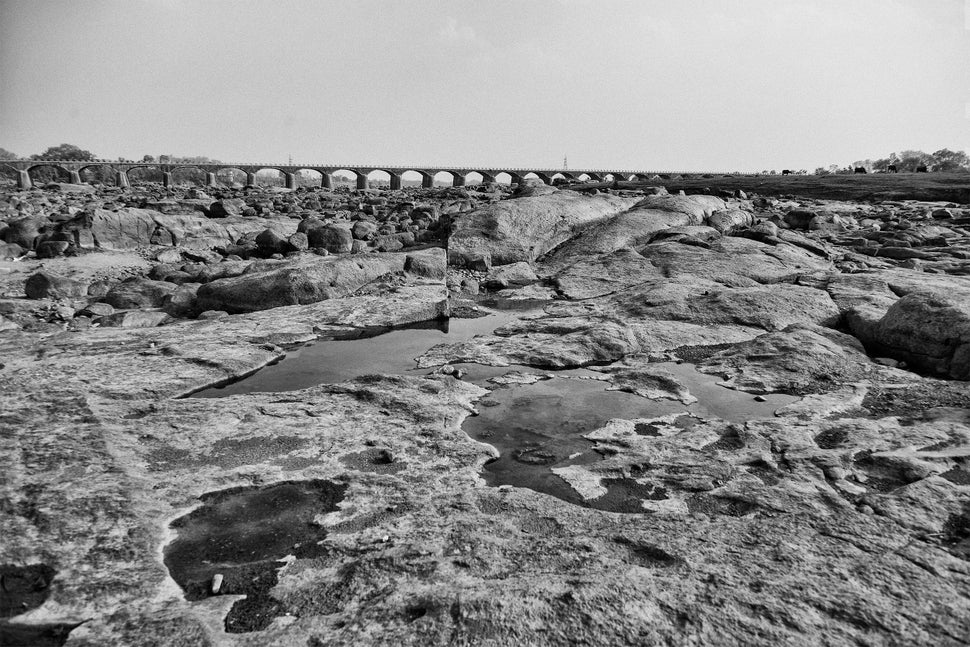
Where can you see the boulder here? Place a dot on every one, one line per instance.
(388, 243)
(298, 242)
(928, 330)
(306, 280)
(799, 218)
(799, 359)
(52, 248)
(23, 231)
(96, 309)
(333, 238)
(527, 228)
(181, 302)
(513, 275)
(169, 256)
(271, 242)
(730, 220)
(48, 285)
(431, 264)
(134, 319)
(227, 207)
(10, 251)
(138, 292)
(364, 229)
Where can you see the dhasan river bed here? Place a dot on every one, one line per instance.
(708, 420)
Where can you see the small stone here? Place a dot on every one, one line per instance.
(760, 398)
(216, 583)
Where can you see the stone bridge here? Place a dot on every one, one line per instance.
(458, 174)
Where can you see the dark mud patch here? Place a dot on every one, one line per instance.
(377, 460)
(696, 354)
(627, 495)
(23, 588)
(882, 475)
(957, 476)
(654, 428)
(912, 402)
(648, 555)
(720, 506)
(44, 635)
(241, 534)
(832, 438)
(956, 533)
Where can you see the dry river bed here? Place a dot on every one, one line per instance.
(679, 439)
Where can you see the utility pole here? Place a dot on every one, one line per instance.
(291, 159)
(565, 166)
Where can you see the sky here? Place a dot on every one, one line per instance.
(718, 85)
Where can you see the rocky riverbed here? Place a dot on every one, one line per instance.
(634, 417)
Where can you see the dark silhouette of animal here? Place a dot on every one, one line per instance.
(921, 168)
(860, 169)
(786, 172)
(892, 169)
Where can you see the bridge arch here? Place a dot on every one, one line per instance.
(144, 173)
(475, 177)
(412, 178)
(229, 175)
(504, 177)
(344, 177)
(269, 176)
(44, 172)
(309, 177)
(379, 178)
(448, 178)
(188, 173)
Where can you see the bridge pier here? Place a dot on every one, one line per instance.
(395, 181)
(167, 178)
(362, 182)
(327, 181)
(250, 179)
(121, 179)
(23, 180)
(427, 180)
(457, 180)
(75, 177)
(210, 179)
(486, 178)
(290, 180)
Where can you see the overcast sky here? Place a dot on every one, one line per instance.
(642, 84)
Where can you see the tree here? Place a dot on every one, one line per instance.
(148, 158)
(64, 152)
(911, 160)
(7, 155)
(947, 160)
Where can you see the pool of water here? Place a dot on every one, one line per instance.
(538, 427)
(385, 351)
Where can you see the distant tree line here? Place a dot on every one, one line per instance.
(943, 160)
